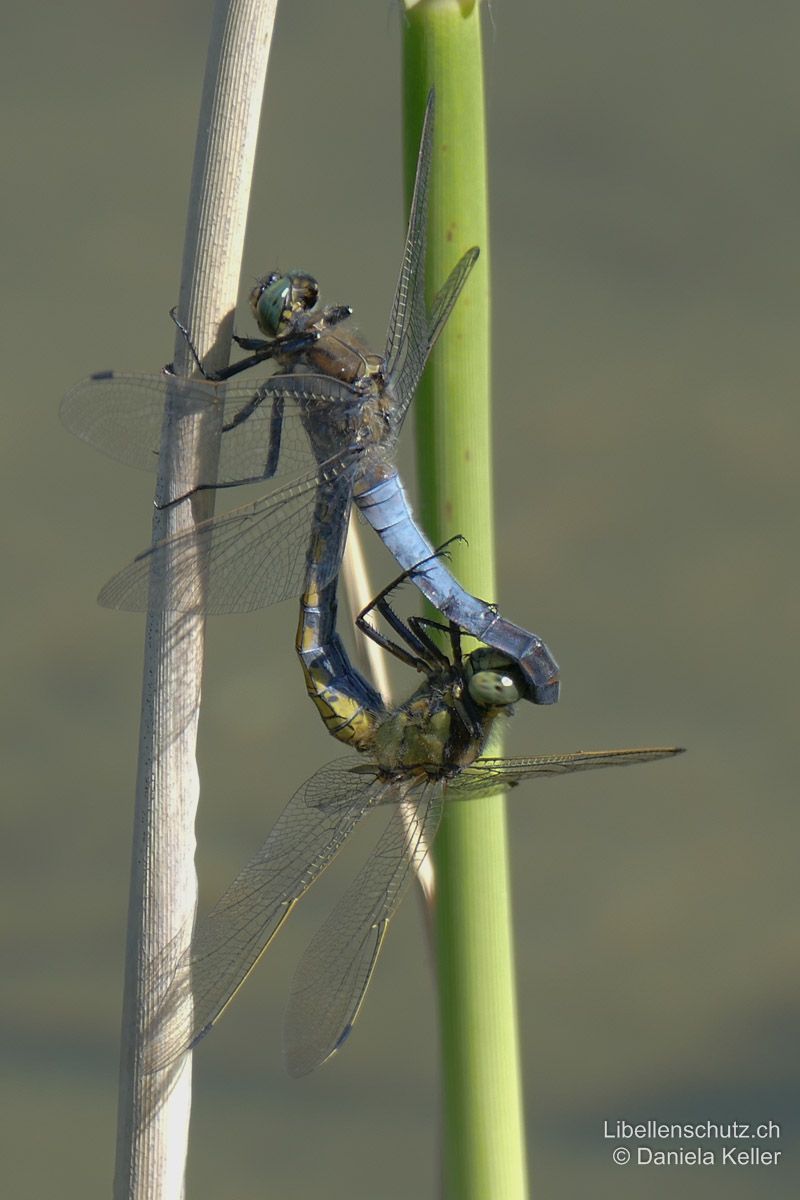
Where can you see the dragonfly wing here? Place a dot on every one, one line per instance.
(122, 415)
(412, 330)
(448, 294)
(334, 973)
(263, 423)
(408, 319)
(423, 333)
(229, 941)
(489, 775)
(251, 557)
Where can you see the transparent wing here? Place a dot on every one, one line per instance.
(264, 423)
(229, 941)
(422, 336)
(412, 330)
(448, 294)
(333, 975)
(488, 775)
(251, 557)
(408, 315)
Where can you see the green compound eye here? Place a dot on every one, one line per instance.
(493, 689)
(269, 301)
(493, 679)
(276, 297)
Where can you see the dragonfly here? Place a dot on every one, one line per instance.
(330, 419)
(415, 757)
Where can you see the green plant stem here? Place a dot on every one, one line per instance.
(483, 1133)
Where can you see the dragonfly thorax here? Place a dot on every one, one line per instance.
(413, 736)
(344, 358)
(444, 726)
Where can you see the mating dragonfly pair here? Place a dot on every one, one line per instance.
(332, 415)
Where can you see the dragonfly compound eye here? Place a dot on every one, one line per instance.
(270, 301)
(493, 689)
(493, 679)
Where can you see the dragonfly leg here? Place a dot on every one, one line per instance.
(262, 348)
(410, 573)
(417, 661)
(273, 449)
(209, 487)
(451, 631)
(243, 413)
(292, 345)
(187, 337)
(426, 654)
(244, 364)
(468, 720)
(275, 430)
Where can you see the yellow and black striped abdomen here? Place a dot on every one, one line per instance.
(350, 707)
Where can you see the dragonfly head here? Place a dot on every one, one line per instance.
(276, 298)
(493, 679)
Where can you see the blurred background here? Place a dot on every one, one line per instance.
(645, 185)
